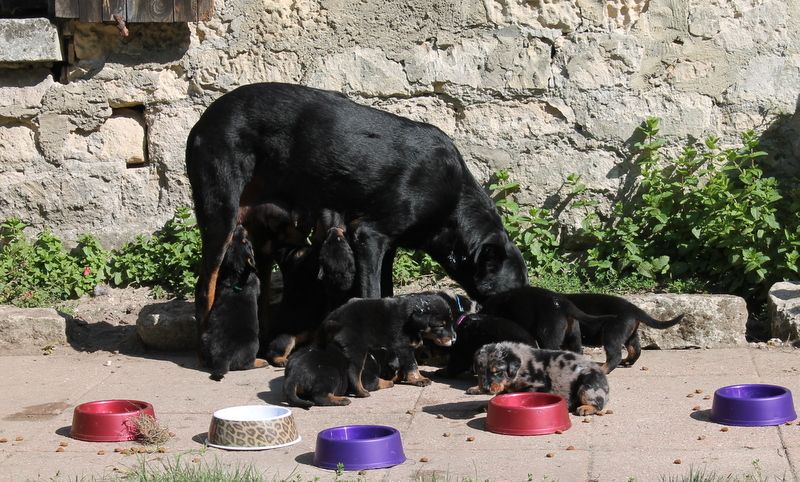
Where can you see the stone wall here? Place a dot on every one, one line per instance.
(542, 88)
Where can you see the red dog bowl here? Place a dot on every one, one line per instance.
(108, 420)
(527, 413)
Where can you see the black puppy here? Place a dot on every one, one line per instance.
(621, 331)
(318, 376)
(316, 279)
(231, 339)
(517, 367)
(550, 317)
(397, 323)
(312, 149)
(475, 330)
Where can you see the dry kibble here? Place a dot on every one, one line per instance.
(586, 420)
(63, 444)
(698, 390)
(3, 440)
(60, 449)
(410, 412)
(162, 450)
(706, 397)
(676, 461)
(690, 395)
(571, 447)
(118, 450)
(550, 455)
(470, 439)
(724, 429)
(362, 472)
(101, 452)
(196, 460)
(19, 439)
(644, 369)
(439, 416)
(600, 414)
(696, 408)
(446, 434)
(558, 432)
(609, 412)
(423, 459)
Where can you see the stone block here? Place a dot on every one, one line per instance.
(29, 40)
(784, 310)
(26, 329)
(168, 326)
(710, 321)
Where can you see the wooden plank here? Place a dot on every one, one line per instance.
(150, 10)
(205, 10)
(91, 11)
(185, 10)
(65, 8)
(113, 7)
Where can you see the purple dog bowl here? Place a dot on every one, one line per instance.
(359, 447)
(752, 405)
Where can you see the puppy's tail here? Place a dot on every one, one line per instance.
(658, 324)
(290, 390)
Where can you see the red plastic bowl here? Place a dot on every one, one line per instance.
(108, 420)
(527, 413)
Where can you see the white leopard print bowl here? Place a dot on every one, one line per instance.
(252, 427)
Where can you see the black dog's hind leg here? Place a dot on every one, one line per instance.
(634, 349)
(387, 283)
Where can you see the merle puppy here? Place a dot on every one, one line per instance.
(550, 317)
(623, 330)
(517, 367)
(475, 330)
(318, 376)
(231, 339)
(313, 149)
(397, 323)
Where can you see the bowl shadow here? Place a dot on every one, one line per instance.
(458, 410)
(702, 415)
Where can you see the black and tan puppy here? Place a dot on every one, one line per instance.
(475, 330)
(316, 279)
(516, 367)
(550, 317)
(623, 331)
(318, 376)
(230, 341)
(397, 323)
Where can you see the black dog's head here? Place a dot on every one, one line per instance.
(496, 366)
(492, 266)
(337, 262)
(432, 318)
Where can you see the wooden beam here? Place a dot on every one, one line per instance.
(91, 11)
(205, 10)
(185, 10)
(150, 11)
(113, 7)
(65, 8)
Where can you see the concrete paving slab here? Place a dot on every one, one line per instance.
(651, 426)
(646, 464)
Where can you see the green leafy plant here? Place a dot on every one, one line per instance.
(707, 214)
(170, 258)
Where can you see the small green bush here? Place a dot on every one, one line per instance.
(708, 214)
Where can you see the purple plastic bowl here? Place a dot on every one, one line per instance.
(752, 405)
(359, 447)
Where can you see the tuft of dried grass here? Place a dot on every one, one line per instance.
(150, 431)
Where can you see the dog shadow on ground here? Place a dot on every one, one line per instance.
(274, 396)
(457, 410)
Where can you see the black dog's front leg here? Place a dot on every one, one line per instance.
(409, 371)
(370, 246)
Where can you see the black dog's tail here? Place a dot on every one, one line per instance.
(658, 324)
(290, 389)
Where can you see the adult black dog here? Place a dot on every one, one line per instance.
(398, 182)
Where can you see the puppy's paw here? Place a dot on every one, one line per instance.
(362, 394)
(259, 363)
(586, 410)
(476, 390)
(279, 361)
(384, 383)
